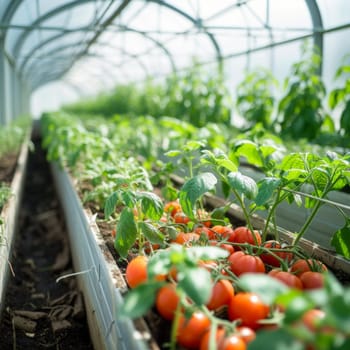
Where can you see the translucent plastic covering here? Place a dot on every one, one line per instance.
(91, 45)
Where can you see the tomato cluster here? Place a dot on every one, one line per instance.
(246, 254)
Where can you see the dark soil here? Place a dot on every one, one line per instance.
(7, 167)
(41, 312)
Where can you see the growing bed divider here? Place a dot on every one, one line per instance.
(9, 214)
(99, 278)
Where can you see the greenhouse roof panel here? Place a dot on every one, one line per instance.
(157, 36)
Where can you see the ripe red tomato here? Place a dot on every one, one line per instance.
(204, 344)
(233, 342)
(246, 333)
(190, 331)
(271, 260)
(220, 232)
(186, 238)
(243, 235)
(249, 308)
(172, 208)
(203, 230)
(312, 319)
(167, 301)
(222, 293)
(136, 271)
(222, 341)
(225, 246)
(241, 263)
(287, 278)
(303, 265)
(312, 280)
(181, 218)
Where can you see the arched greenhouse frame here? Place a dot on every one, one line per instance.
(166, 164)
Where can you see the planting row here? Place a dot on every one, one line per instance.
(215, 282)
(13, 156)
(302, 109)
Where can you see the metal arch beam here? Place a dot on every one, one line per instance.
(135, 57)
(155, 41)
(11, 10)
(41, 45)
(89, 42)
(317, 23)
(196, 23)
(58, 36)
(45, 17)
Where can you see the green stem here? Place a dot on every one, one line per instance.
(175, 323)
(307, 223)
(246, 214)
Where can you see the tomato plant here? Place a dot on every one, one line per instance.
(136, 271)
(241, 263)
(172, 208)
(245, 235)
(222, 232)
(190, 331)
(303, 265)
(186, 238)
(248, 308)
(167, 301)
(222, 293)
(312, 319)
(312, 280)
(223, 341)
(275, 254)
(246, 333)
(287, 278)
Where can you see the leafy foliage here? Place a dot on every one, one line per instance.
(301, 109)
(255, 98)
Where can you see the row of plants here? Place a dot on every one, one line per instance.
(215, 283)
(11, 140)
(301, 109)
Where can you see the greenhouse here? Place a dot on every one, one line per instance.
(175, 174)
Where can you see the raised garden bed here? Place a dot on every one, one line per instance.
(107, 176)
(99, 277)
(14, 167)
(103, 282)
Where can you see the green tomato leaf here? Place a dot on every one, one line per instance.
(193, 145)
(151, 232)
(341, 241)
(128, 198)
(243, 184)
(139, 300)
(194, 189)
(266, 286)
(126, 232)
(173, 153)
(110, 204)
(196, 283)
(278, 339)
(159, 263)
(152, 205)
(297, 306)
(266, 186)
(345, 117)
(249, 150)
